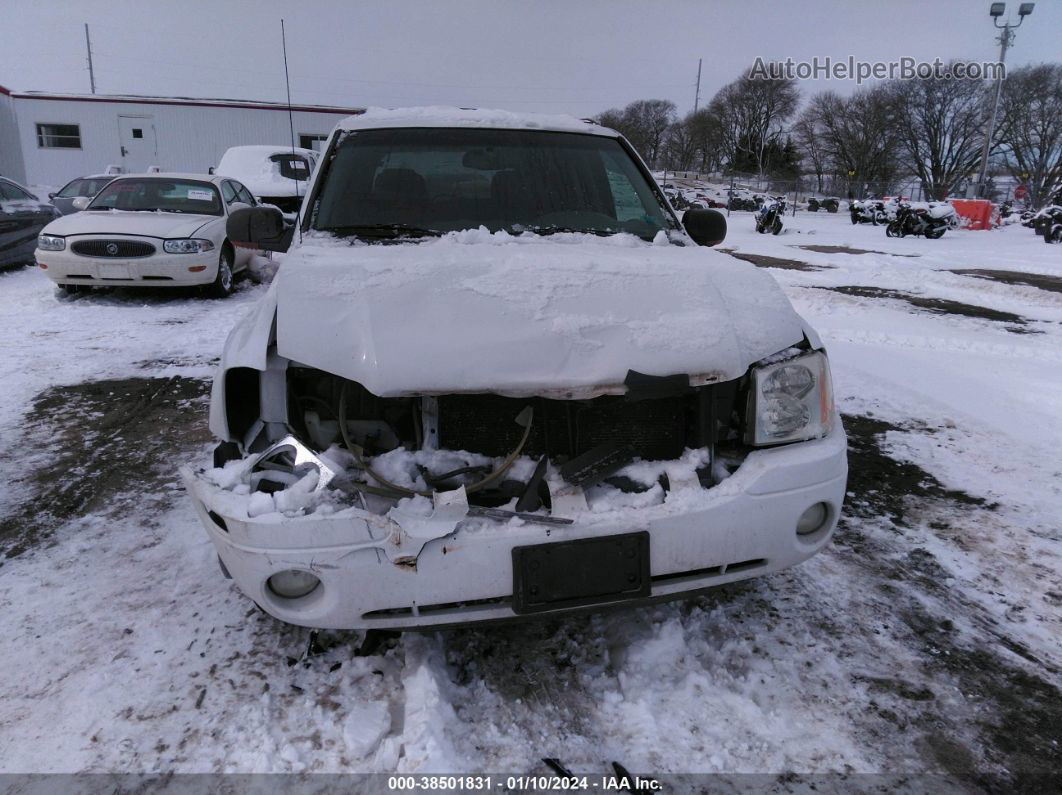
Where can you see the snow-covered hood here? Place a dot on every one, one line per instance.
(525, 315)
(118, 222)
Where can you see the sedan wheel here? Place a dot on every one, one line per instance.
(223, 283)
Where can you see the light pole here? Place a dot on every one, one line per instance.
(1005, 38)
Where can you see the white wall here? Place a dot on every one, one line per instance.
(11, 164)
(186, 138)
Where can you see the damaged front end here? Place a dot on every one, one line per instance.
(537, 459)
(320, 475)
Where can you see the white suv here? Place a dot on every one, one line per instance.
(497, 376)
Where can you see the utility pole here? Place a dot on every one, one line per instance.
(697, 96)
(1005, 39)
(88, 46)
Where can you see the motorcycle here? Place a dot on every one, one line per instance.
(769, 217)
(932, 221)
(870, 211)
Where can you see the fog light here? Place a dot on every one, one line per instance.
(812, 519)
(292, 584)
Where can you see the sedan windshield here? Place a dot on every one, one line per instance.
(160, 194)
(86, 186)
(415, 182)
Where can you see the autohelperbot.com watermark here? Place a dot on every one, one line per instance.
(851, 68)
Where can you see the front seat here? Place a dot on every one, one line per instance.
(514, 196)
(401, 191)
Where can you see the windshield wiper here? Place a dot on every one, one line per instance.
(385, 231)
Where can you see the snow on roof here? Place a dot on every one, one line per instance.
(265, 150)
(442, 116)
(252, 166)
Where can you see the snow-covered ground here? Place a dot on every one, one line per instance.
(925, 639)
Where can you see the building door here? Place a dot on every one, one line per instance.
(139, 145)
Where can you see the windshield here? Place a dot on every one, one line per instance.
(83, 187)
(430, 181)
(165, 195)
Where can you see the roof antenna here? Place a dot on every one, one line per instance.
(291, 120)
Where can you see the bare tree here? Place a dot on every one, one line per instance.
(1031, 132)
(692, 143)
(679, 147)
(752, 115)
(706, 135)
(855, 136)
(808, 132)
(940, 124)
(646, 121)
(643, 123)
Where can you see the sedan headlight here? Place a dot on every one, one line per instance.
(51, 242)
(790, 401)
(186, 245)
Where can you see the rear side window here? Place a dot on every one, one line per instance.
(82, 187)
(243, 195)
(11, 192)
(292, 166)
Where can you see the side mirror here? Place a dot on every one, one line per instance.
(81, 203)
(706, 227)
(51, 195)
(259, 227)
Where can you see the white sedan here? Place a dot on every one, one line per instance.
(148, 230)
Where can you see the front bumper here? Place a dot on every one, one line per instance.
(743, 527)
(157, 270)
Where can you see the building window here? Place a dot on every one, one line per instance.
(138, 133)
(312, 141)
(59, 136)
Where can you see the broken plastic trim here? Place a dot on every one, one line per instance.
(302, 459)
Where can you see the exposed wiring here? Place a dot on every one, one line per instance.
(356, 451)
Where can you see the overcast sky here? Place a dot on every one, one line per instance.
(541, 55)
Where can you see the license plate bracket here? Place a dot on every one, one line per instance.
(586, 571)
(109, 270)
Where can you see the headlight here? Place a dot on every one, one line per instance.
(186, 246)
(790, 401)
(51, 242)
